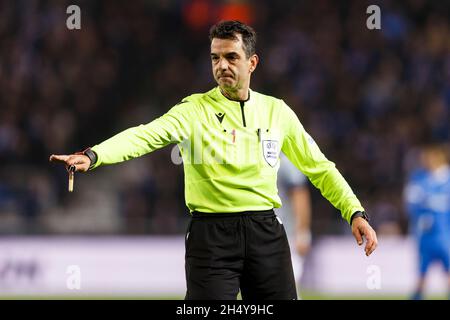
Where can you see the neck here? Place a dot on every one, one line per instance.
(238, 95)
(437, 166)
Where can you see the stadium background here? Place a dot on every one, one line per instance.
(368, 97)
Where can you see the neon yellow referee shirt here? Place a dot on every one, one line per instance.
(230, 152)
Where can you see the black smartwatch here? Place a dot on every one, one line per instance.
(361, 214)
(92, 156)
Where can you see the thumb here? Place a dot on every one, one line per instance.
(358, 236)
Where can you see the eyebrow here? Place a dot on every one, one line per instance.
(233, 53)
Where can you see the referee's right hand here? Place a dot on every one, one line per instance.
(80, 161)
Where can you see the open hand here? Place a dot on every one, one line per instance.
(80, 161)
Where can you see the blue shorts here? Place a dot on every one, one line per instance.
(436, 251)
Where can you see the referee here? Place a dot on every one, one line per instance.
(230, 139)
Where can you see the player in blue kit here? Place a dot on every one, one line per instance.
(427, 196)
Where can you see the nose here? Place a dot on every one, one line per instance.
(223, 64)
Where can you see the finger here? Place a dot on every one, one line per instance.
(71, 160)
(358, 237)
(58, 158)
(374, 244)
(75, 159)
(369, 243)
(80, 162)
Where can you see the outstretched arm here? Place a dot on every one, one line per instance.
(172, 127)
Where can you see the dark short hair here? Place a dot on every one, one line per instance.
(229, 29)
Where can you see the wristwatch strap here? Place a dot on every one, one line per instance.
(361, 214)
(92, 156)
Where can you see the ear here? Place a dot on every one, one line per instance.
(254, 59)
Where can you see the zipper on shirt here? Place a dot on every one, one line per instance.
(242, 111)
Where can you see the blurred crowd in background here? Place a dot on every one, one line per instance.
(368, 97)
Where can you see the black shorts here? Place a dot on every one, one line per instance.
(247, 251)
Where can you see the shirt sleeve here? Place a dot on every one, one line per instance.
(305, 154)
(172, 127)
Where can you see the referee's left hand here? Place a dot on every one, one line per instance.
(361, 228)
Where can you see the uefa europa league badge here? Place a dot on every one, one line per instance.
(270, 151)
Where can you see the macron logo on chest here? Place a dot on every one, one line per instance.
(220, 116)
